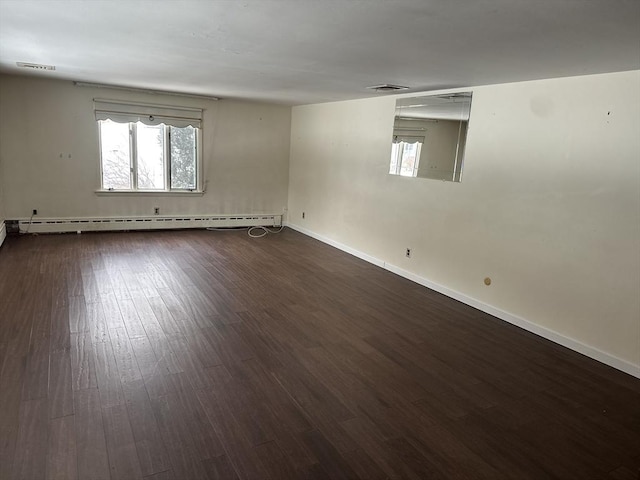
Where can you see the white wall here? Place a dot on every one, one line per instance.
(43, 122)
(548, 207)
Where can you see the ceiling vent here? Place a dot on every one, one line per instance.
(35, 66)
(387, 87)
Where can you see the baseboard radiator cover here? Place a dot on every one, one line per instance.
(156, 222)
(3, 232)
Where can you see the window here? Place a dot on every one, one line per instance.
(136, 156)
(405, 155)
(148, 151)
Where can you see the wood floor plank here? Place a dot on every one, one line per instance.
(124, 356)
(186, 461)
(239, 398)
(120, 289)
(36, 379)
(283, 407)
(91, 446)
(31, 445)
(204, 350)
(412, 460)
(130, 280)
(275, 462)
(123, 456)
(78, 315)
(191, 402)
(131, 319)
(60, 384)
(241, 452)
(74, 283)
(107, 375)
(364, 466)
(111, 309)
(146, 315)
(164, 316)
(11, 380)
(97, 322)
(90, 290)
(147, 285)
(61, 455)
(189, 362)
(154, 372)
(319, 403)
(104, 287)
(83, 368)
(220, 467)
(149, 445)
(167, 475)
(331, 462)
(60, 331)
(165, 356)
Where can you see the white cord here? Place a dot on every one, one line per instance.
(28, 226)
(265, 230)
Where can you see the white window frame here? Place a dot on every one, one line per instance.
(150, 114)
(399, 145)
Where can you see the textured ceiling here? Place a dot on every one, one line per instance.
(309, 51)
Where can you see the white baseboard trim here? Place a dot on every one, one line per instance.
(508, 317)
(340, 246)
(3, 232)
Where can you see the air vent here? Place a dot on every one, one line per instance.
(35, 66)
(387, 87)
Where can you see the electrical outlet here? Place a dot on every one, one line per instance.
(156, 210)
(303, 215)
(35, 212)
(408, 253)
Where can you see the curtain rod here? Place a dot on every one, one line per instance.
(143, 90)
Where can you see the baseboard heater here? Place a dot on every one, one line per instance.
(3, 233)
(156, 222)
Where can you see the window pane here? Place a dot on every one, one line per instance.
(150, 146)
(393, 165)
(115, 155)
(183, 158)
(410, 159)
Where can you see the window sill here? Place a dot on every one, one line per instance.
(148, 193)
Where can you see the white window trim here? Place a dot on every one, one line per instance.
(151, 114)
(402, 143)
(148, 193)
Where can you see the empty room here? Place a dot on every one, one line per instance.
(341, 239)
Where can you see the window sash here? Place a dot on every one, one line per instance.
(166, 159)
(171, 137)
(399, 158)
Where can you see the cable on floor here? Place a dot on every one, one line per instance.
(264, 230)
(26, 232)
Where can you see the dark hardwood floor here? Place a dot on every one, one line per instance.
(207, 354)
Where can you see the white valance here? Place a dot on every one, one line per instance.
(147, 113)
(407, 139)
